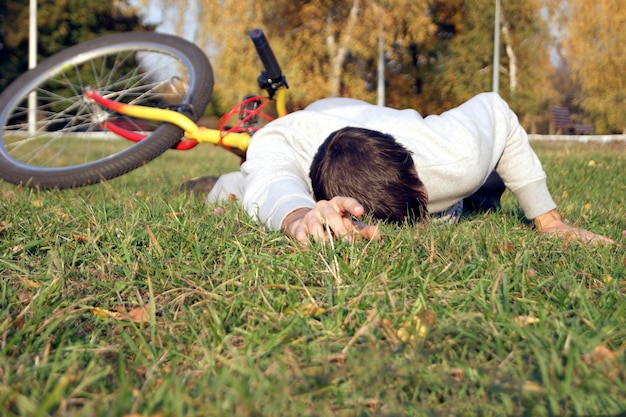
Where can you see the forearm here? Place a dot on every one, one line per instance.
(271, 195)
(519, 166)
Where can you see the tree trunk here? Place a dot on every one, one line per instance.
(510, 53)
(337, 49)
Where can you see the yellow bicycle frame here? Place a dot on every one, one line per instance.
(192, 131)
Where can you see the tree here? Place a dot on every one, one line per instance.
(463, 55)
(327, 47)
(593, 50)
(438, 53)
(61, 24)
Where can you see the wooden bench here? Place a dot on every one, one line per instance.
(562, 123)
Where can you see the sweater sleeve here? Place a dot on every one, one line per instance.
(481, 135)
(276, 175)
(519, 166)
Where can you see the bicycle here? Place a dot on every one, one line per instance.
(105, 107)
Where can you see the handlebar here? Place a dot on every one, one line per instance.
(272, 78)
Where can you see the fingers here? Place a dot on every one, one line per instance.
(600, 240)
(586, 236)
(329, 220)
(347, 205)
(582, 235)
(369, 232)
(336, 217)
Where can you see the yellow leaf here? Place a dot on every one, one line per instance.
(526, 320)
(30, 283)
(137, 314)
(140, 415)
(102, 313)
(531, 387)
(413, 329)
(311, 309)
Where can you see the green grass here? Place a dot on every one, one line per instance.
(227, 330)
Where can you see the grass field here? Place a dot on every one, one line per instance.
(128, 298)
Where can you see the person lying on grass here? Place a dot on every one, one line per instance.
(313, 172)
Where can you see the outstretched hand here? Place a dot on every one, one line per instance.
(552, 223)
(328, 220)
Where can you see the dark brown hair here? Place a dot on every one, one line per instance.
(373, 168)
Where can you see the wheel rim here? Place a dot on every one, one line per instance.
(65, 131)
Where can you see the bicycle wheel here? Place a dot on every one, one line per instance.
(53, 137)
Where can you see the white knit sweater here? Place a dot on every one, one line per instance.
(453, 153)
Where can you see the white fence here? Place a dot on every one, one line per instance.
(580, 138)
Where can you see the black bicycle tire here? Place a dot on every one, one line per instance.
(162, 139)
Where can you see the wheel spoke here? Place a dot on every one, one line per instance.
(68, 134)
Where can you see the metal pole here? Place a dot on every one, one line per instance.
(381, 59)
(381, 70)
(32, 63)
(496, 50)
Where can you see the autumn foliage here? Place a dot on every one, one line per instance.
(437, 53)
